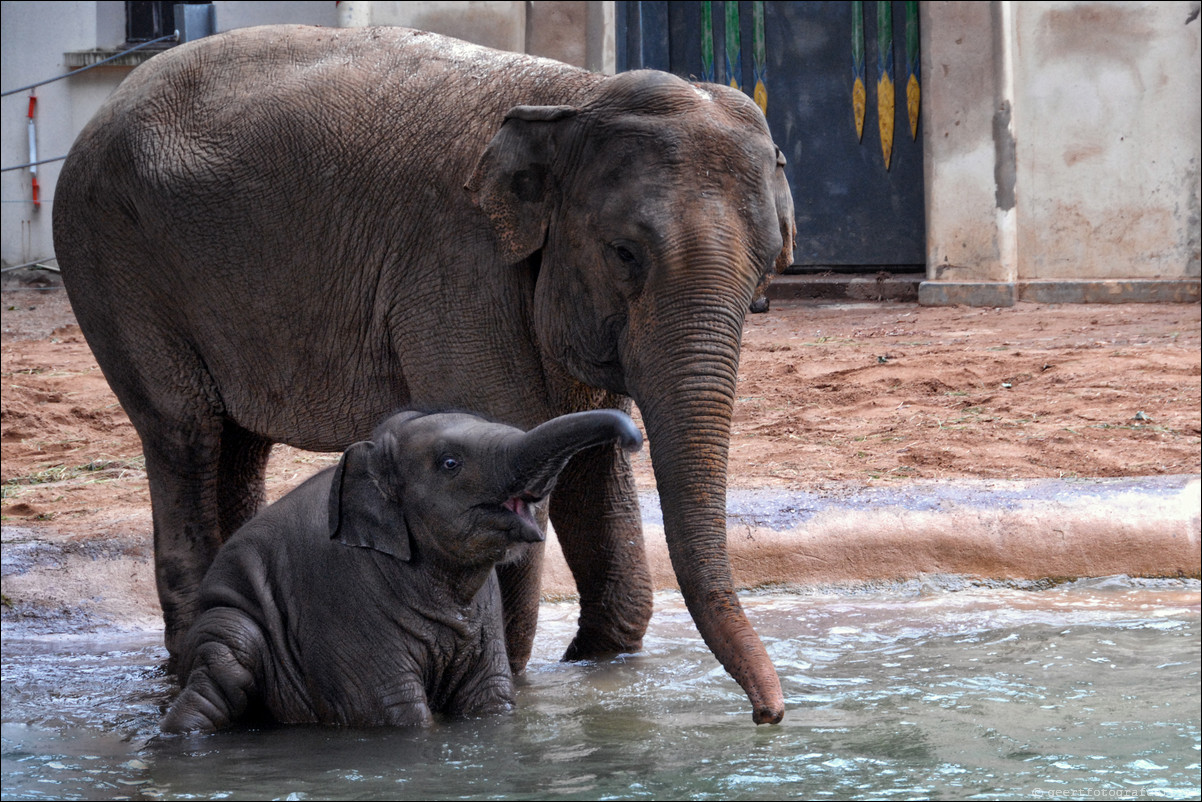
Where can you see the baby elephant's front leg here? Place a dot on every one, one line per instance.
(489, 689)
(487, 698)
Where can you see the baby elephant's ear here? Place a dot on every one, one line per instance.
(361, 514)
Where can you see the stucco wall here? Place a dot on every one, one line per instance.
(494, 24)
(32, 51)
(35, 38)
(1062, 145)
(961, 51)
(1107, 110)
(578, 33)
(1061, 138)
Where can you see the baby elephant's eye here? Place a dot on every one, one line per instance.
(449, 465)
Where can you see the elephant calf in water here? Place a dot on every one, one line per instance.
(367, 595)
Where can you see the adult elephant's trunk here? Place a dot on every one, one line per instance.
(685, 393)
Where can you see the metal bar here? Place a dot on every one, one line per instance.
(31, 164)
(35, 263)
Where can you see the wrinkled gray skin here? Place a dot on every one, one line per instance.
(367, 595)
(283, 234)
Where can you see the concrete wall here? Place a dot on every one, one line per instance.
(494, 24)
(960, 107)
(578, 33)
(1062, 151)
(581, 34)
(36, 36)
(1107, 101)
(33, 50)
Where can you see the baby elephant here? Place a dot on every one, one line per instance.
(367, 595)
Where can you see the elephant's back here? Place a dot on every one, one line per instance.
(310, 127)
(274, 93)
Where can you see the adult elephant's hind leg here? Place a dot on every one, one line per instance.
(242, 474)
(206, 480)
(182, 467)
(595, 511)
(205, 473)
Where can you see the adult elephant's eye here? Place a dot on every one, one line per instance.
(627, 255)
(449, 465)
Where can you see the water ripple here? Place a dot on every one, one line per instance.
(984, 692)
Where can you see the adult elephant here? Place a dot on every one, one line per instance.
(283, 234)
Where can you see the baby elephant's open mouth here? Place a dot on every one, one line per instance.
(523, 506)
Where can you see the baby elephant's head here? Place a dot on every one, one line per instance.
(457, 489)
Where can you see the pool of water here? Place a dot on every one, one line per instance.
(1085, 690)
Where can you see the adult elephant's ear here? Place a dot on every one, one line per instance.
(788, 234)
(514, 183)
(784, 211)
(360, 513)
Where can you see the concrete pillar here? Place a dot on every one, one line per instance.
(968, 153)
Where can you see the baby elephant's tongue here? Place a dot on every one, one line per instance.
(518, 506)
(521, 508)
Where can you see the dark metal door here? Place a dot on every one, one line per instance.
(857, 183)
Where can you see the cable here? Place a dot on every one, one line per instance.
(31, 164)
(171, 36)
(37, 263)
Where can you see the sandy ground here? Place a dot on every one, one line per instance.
(857, 395)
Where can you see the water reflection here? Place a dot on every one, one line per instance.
(909, 691)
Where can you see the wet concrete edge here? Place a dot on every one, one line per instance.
(1009, 530)
(997, 530)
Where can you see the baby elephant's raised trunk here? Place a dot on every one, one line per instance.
(546, 449)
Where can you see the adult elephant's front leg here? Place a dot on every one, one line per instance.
(595, 510)
(521, 585)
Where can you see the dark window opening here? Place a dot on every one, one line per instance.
(145, 21)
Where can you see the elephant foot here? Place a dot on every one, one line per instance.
(598, 645)
(193, 712)
(173, 641)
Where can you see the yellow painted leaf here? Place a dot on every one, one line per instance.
(859, 102)
(913, 93)
(761, 96)
(884, 110)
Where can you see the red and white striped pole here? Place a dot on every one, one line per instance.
(33, 150)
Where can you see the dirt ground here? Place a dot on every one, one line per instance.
(828, 393)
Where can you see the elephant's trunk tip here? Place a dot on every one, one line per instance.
(629, 438)
(768, 714)
(767, 701)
